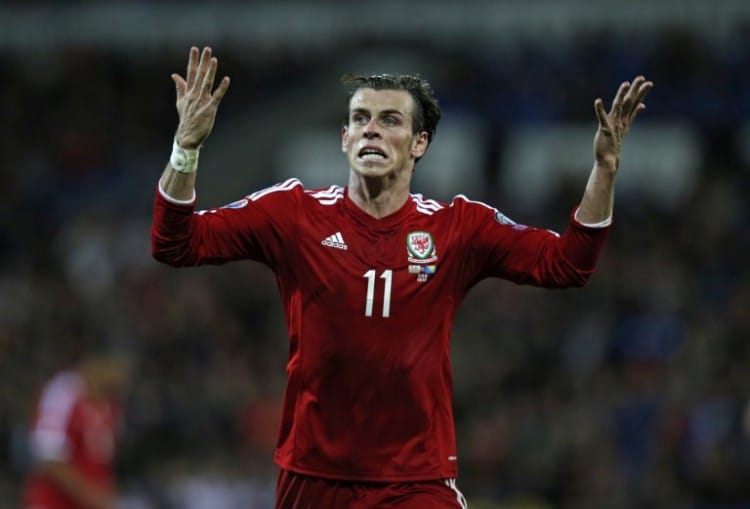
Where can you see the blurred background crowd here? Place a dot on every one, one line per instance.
(630, 393)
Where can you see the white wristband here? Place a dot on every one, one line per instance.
(184, 160)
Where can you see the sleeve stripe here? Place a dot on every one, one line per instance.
(48, 445)
(425, 203)
(464, 198)
(48, 438)
(425, 206)
(331, 192)
(284, 186)
(57, 402)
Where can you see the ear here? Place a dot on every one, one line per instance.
(419, 144)
(344, 138)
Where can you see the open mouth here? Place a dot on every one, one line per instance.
(372, 154)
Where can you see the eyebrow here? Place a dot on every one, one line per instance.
(384, 112)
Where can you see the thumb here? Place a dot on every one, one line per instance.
(180, 85)
(601, 114)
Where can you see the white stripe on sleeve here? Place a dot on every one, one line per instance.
(48, 437)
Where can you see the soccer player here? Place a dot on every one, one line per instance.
(370, 276)
(73, 437)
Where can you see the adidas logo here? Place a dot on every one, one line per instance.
(335, 240)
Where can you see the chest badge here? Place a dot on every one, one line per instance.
(420, 248)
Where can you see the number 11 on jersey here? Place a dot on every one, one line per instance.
(387, 275)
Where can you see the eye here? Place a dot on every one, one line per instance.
(390, 121)
(359, 119)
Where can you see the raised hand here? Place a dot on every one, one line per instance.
(196, 104)
(613, 126)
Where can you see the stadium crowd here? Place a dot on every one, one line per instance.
(630, 393)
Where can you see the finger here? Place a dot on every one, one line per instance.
(208, 80)
(631, 100)
(643, 91)
(192, 66)
(202, 67)
(636, 110)
(601, 114)
(220, 91)
(180, 84)
(628, 102)
(617, 101)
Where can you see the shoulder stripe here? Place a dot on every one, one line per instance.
(329, 196)
(499, 216)
(425, 206)
(424, 211)
(426, 203)
(464, 198)
(327, 193)
(331, 201)
(287, 185)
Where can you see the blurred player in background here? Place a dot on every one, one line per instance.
(76, 421)
(370, 276)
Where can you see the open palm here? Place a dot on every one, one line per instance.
(615, 124)
(196, 104)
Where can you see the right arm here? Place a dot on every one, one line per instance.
(173, 222)
(196, 107)
(252, 228)
(256, 227)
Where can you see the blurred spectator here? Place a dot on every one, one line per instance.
(73, 436)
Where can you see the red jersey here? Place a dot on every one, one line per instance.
(369, 305)
(69, 426)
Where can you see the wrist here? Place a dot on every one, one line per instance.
(606, 166)
(184, 160)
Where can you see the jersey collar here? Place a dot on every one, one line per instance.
(373, 223)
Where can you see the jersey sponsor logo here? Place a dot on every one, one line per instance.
(336, 241)
(423, 272)
(420, 247)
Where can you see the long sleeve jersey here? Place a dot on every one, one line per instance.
(369, 306)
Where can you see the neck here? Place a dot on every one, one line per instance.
(378, 196)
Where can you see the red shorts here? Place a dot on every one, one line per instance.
(298, 491)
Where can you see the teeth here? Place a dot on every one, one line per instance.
(371, 153)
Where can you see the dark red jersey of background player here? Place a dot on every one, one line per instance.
(71, 426)
(369, 306)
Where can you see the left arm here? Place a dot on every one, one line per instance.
(598, 198)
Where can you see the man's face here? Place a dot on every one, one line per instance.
(378, 138)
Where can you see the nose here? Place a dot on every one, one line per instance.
(371, 130)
